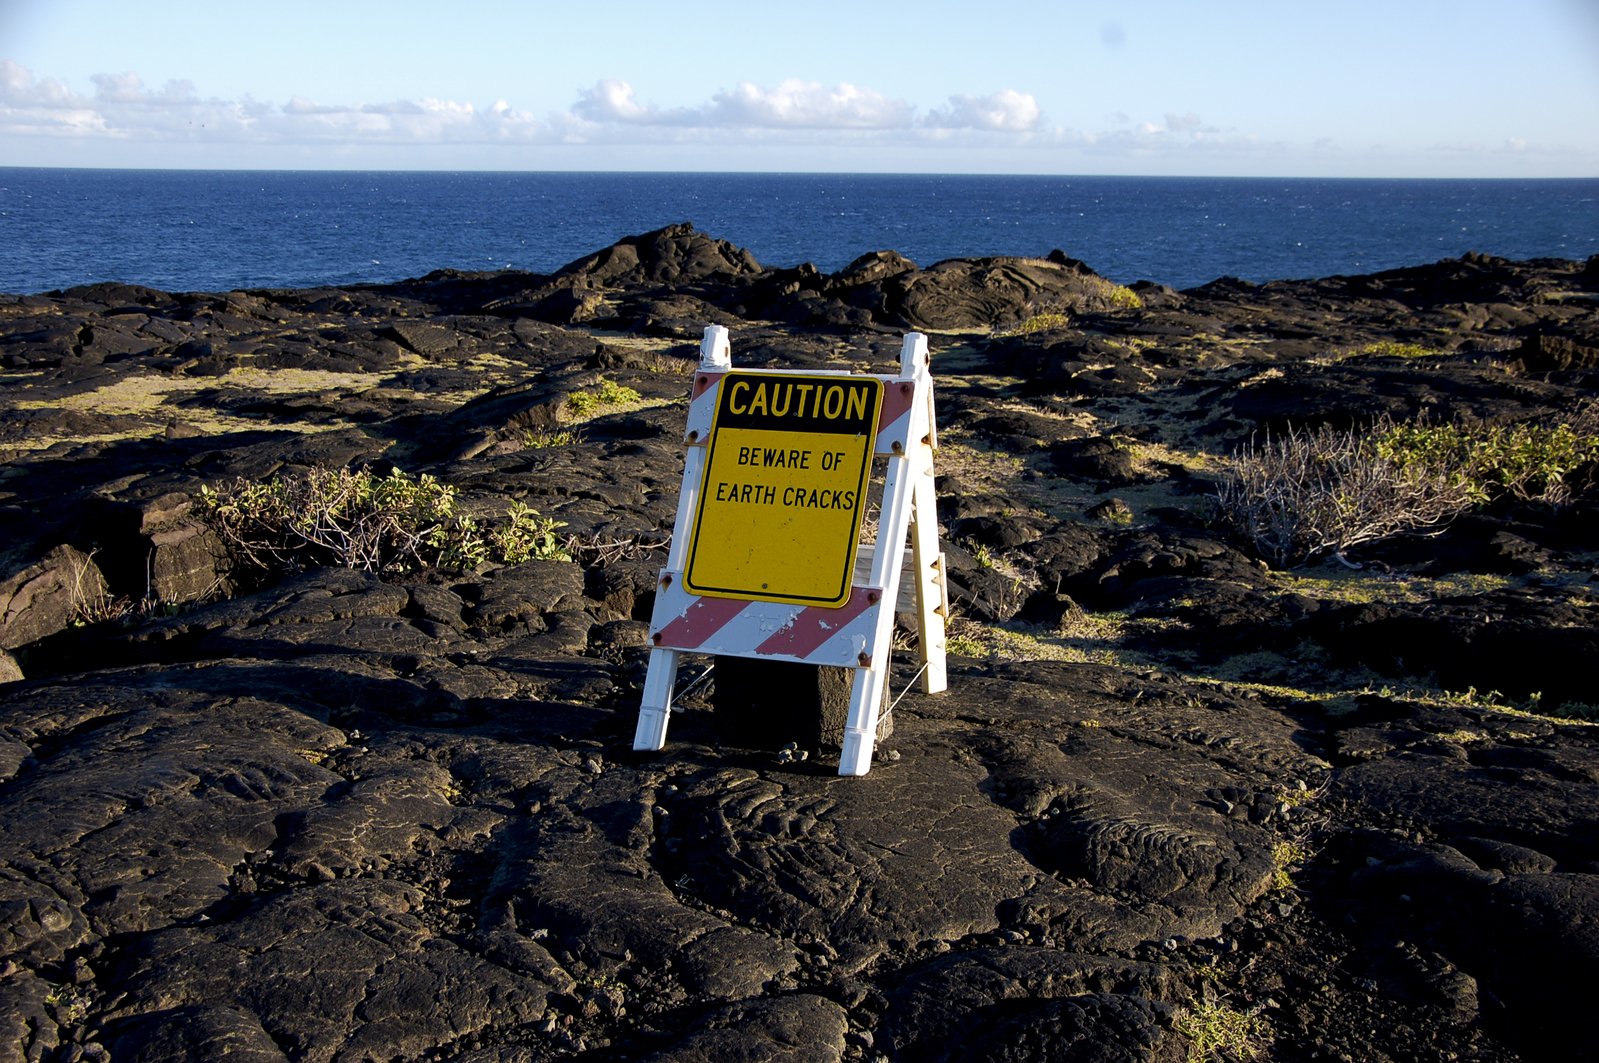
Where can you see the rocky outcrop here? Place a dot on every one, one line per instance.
(400, 816)
(673, 256)
(984, 292)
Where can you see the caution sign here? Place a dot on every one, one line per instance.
(784, 488)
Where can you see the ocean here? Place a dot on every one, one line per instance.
(216, 231)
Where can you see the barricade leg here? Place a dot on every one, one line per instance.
(860, 729)
(931, 599)
(656, 711)
(866, 696)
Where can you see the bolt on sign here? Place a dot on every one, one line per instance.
(784, 488)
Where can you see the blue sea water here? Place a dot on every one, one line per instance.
(216, 231)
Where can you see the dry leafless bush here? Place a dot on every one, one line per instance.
(1310, 492)
(600, 550)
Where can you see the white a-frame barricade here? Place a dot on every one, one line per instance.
(775, 478)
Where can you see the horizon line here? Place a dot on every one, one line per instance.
(778, 173)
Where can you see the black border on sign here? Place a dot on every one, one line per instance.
(842, 597)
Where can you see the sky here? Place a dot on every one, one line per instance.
(1356, 88)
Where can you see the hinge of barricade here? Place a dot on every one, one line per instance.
(705, 604)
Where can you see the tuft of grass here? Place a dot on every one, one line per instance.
(1570, 712)
(1218, 1031)
(1119, 296)
(1041, 322)
(541, 439)
(667, 364)
(104, 608)
(964, 645)
(1395, 349)
(1285, 857)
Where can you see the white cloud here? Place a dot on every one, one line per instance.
(794, 111)
(407, 107)
(1008, 111)
(790, 115)
(793, 122)
(796, 104)
(1174, 135)
(792, 104)
(19, 89)
(123, 108)
(612, 101)
(301, 105)
(128, 88)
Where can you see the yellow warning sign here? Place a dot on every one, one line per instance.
(784, 487)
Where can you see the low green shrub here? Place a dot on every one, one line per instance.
(607, 395)
(526, 535)
(1526, 461)
(355, 518)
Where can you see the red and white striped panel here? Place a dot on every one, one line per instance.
(702, 407)
(772, 630)
(893, 423)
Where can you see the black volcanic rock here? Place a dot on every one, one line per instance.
(1519, 645)
(974, 293)
(340, 814)
(1545, 353)
(42, 598)
(675, 255)
(1101, 459)
(874, 268)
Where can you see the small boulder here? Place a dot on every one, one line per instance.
(1543, 353)
(42, 599)
(188, 562)
(1100, 459)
